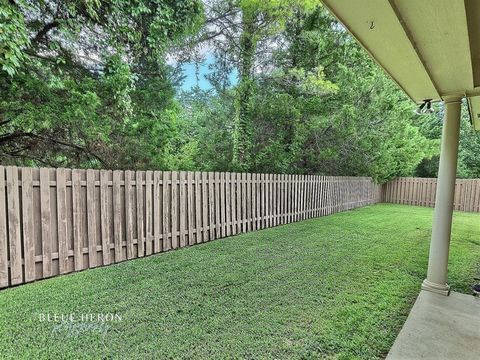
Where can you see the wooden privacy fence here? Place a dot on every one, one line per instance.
(421, 192)
(55, 221)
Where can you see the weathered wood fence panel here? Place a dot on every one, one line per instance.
(56, 221)
(421, 192)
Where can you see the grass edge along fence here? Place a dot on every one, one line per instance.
(422, 191)
(57, 221)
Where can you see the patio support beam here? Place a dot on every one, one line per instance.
(436, 280)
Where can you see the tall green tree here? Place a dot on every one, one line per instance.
(328, 109)
(261, 19)
(242, 33)
(85, 82)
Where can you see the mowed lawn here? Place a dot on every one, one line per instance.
(340, 286)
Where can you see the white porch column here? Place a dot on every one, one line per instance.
(436, 280)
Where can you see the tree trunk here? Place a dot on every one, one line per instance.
(243, 131)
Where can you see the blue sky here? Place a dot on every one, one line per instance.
(189, 70)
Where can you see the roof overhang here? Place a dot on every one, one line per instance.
(431, 48)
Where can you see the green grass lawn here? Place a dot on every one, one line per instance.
(335, 287)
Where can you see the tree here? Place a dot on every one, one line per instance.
(328, 109)
(316, 103)
(242, 32)
(468, 164)
(210, 127)
(89, 83)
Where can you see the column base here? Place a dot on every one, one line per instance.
(442, 289)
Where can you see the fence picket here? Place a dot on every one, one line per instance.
(166, 189)
(250, 201)
(117, 216)
(218, 222)
(238, 186)
(205, 217)
(243, 198)
(77, 221)
(28, 226)
(14, 225)
(190, 208)
(27, 194)
(4, 281)
(211, 205)
(257, 218)
(91, 220)
(228, 204)
(223, 223)
(148, 213)
(129, 214)
(174, 214)
(233, 201)
(139, 175)
(198, 208)
(182, 210)
(104, 218)
(45, 221)
(157, 229)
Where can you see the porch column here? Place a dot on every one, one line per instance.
(436, 280)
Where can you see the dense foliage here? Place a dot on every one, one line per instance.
(87, 83)
(468, 165)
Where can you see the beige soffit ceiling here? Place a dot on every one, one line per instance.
(431, 48)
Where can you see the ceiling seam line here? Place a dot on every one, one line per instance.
(469, 26)
(407, 32)
(370, 53)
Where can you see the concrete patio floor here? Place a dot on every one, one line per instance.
(440, 327)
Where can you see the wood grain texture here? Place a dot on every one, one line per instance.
(205, 209)
(14, 224)
(45, 216)
(218, 223)
(167, 193)
(157, 216)
(183, 208)
(198, 207)
(174, 210)
(129, 213)
(28, 224)
(61, 189)
(77, 220)
(233, 202)
(117, 215)
(228, 204)
(222, 201)
(148, 213)
(4, 278)
(104, 216)
(91, 220)
(190, 208)
(211, 205)
(248, 196)
(139, 176)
